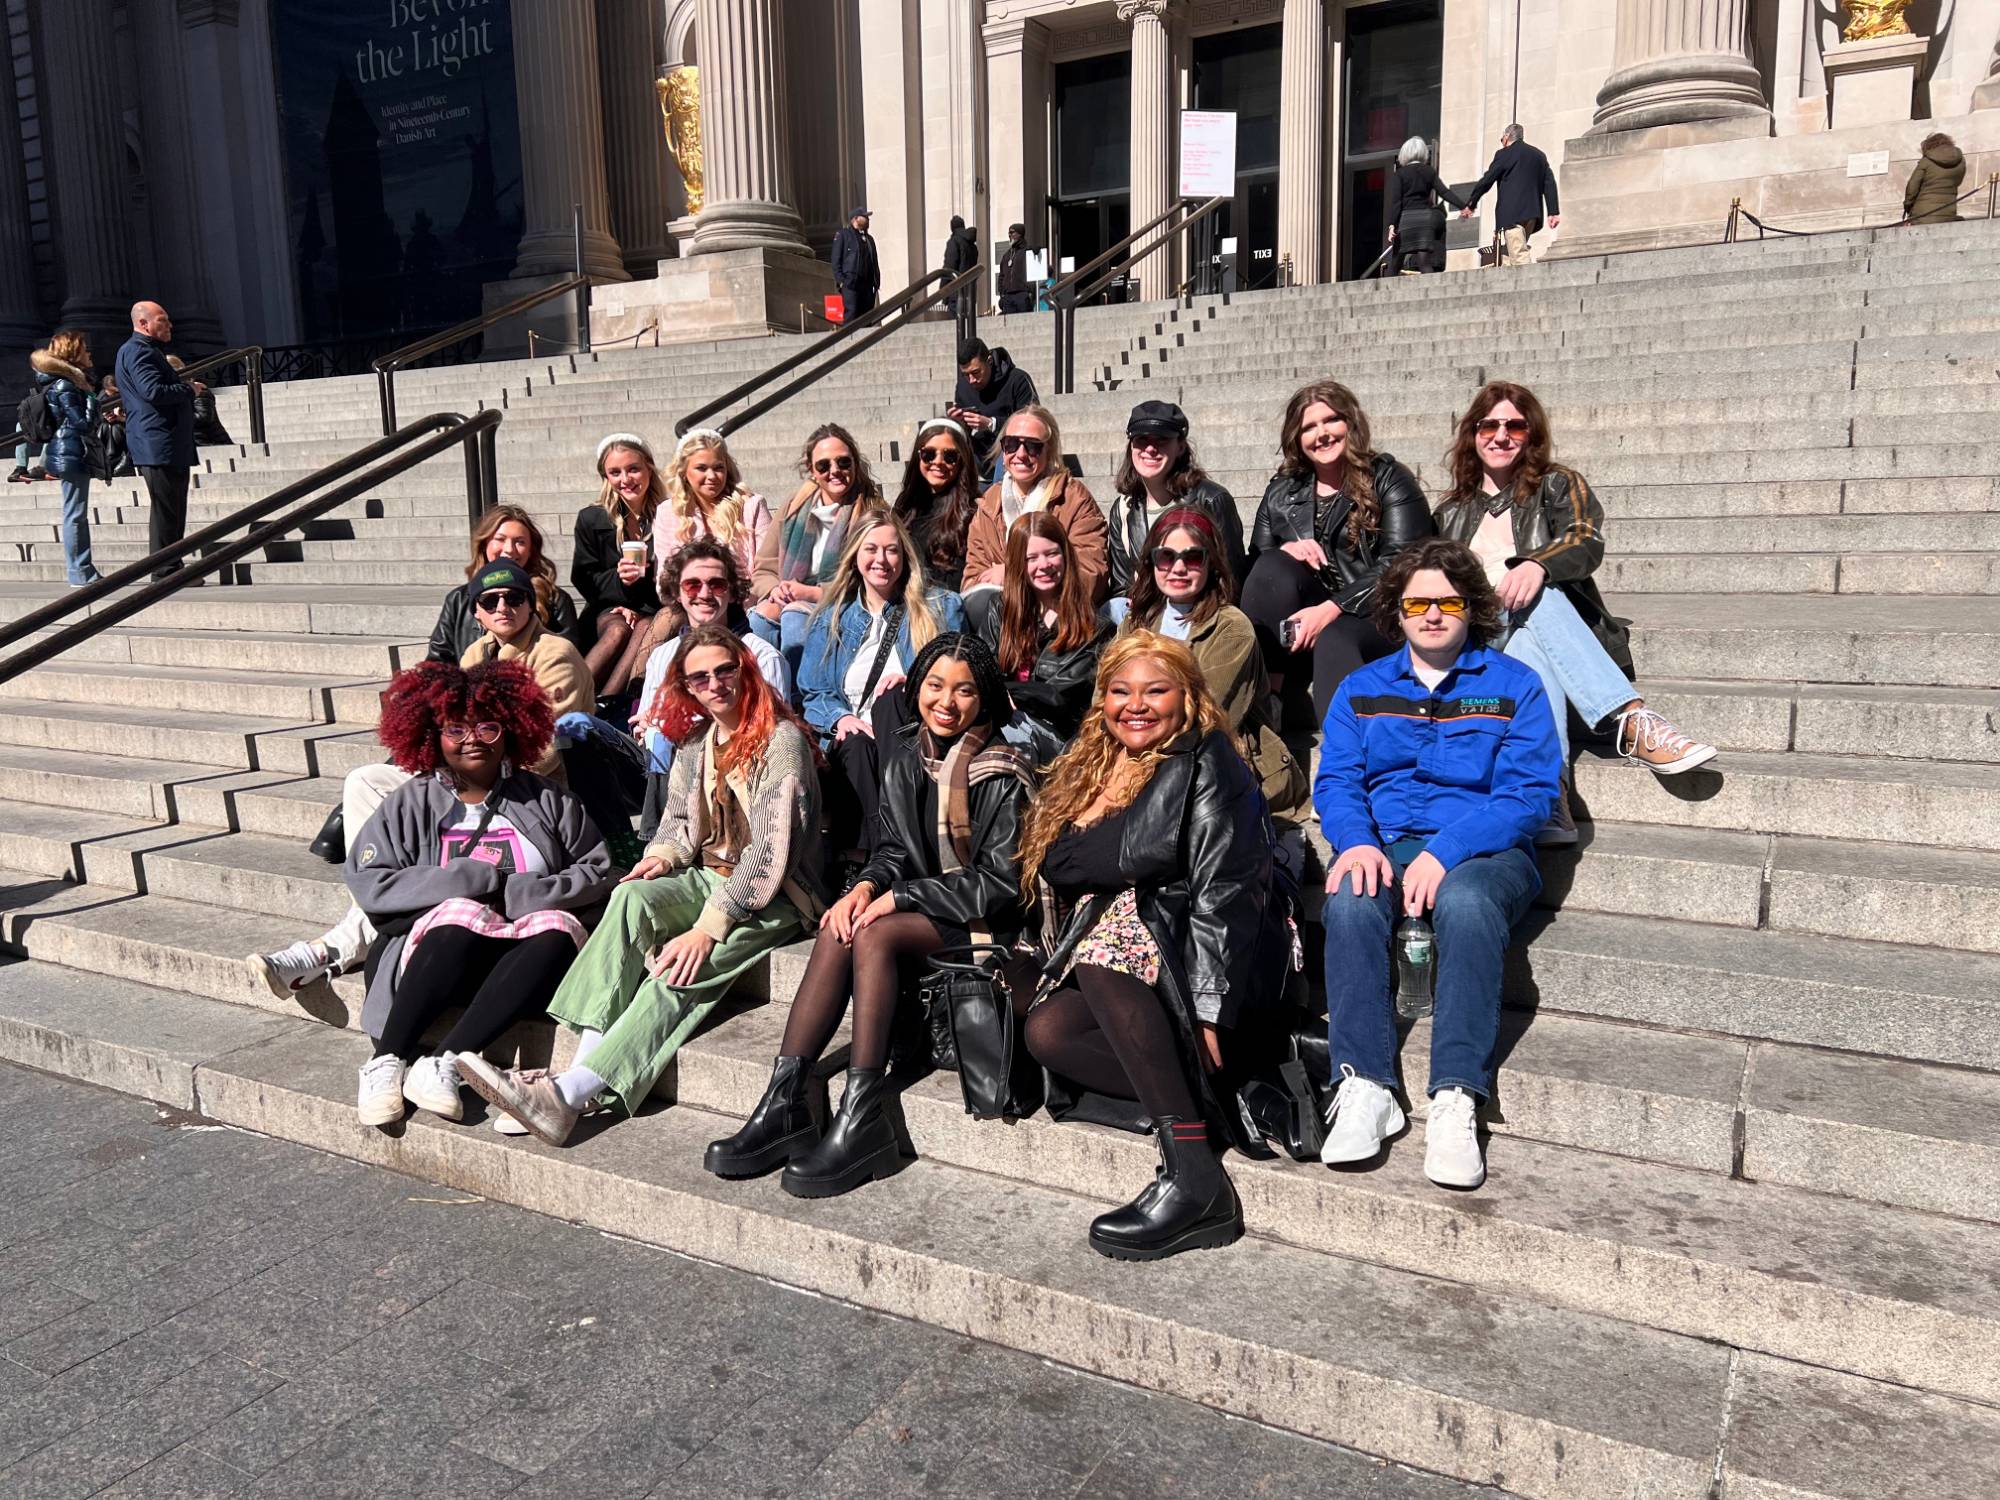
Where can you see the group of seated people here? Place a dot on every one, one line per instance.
(994, 715)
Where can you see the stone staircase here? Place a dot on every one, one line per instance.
(1744, 1212)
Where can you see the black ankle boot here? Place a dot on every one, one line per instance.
(779, 1128)
(860, 1145)
(1191, 1205)
(330, 843)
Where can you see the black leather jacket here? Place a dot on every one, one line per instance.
(458, 627)
(1286, 514)
(1132, 518)
(909, 863)
(1059, 685)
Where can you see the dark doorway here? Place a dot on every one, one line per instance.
(1241, 71)
(1395, 75)
(1091, 207)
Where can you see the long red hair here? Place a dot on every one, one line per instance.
(677, 714)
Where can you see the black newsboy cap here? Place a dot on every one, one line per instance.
(1156, 419)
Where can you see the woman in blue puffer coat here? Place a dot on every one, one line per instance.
(63, 372)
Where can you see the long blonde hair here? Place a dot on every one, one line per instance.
(1085, 769)
(629, 525)
(1055, 471)
(724, 519)
(846, 586)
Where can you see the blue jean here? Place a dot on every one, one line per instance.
(787, 633)
(1550, 636)
(1478, 903)
(76, 530)
(26, 452)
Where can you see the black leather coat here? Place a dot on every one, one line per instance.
(1131, 519)
(908, 860)
(1059, 685)
(1286, 514)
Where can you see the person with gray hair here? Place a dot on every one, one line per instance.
(1527, 186)
(1416, 213)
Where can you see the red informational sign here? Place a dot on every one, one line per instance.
(836, 310)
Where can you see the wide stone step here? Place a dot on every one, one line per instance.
(1950, 641)
(278, 803)
(268, 695)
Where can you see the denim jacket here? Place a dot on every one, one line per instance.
(823, 665)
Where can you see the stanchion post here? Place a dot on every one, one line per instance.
(1735, 213)
(1992, 191)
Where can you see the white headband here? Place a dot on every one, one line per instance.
(625, 440)
(934, 423)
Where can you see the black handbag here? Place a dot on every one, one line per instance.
(971, 1016)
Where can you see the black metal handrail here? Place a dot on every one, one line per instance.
(903, 302)
(404, 449)
(387, 366)
(250, 356)
(1113, 263)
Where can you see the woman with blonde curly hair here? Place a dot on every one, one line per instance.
(1147, 856)
(707, 500)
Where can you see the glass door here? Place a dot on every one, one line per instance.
(1091, 208)
(1395, 76)
(1240, 71)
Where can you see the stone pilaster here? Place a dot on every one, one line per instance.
(1678, 62)
(1302, 105)
(1152, 182)
(635, 148)
(745, 170)
(86, 158)
(1017, 132)
(20, 328)
(562, 140)
(1987, 94)
(172, 201)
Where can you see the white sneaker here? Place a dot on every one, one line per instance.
(505, 1124)
(1451, 1140)
(433, 1083)
(290, 970)
(381, 1101)
(1362, 1116)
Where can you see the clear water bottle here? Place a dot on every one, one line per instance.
(1416, 967)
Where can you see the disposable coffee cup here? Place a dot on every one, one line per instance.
(634, 551)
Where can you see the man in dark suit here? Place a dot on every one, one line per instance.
(1527, 184)
(159, 425)
(1013, 284)
(855, 269)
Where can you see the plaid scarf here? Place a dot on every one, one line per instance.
(798, 533)
(969, 759)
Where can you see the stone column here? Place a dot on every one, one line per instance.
(1676, 62)
(635, 146)
(1152, 181)
(892, 101)
(1017, 133)
(1987, 95)
(1302, 106)
(562, 141)
(179, 236)
(86, 158)
(20, 327)
(746, 174)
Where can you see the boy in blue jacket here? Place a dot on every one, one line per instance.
(1437, 765)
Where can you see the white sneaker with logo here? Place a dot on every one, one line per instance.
(1451, 1140)
(433, 1083)
(1361, 1117)
(381, 1098)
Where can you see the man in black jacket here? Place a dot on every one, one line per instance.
(1527, 184)
(961, 253)
(991, 388)
(855, 269)
(1013, 284)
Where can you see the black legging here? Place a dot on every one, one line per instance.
(854, 818)
(1111, 1033)
(873, 970)
(1279, 586)
(498, 980)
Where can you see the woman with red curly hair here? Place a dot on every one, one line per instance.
(732, 874)
(476, 874)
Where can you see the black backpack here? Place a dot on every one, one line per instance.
(32, 417)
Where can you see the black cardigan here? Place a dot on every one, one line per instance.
(593, 571)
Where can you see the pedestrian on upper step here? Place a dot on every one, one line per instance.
(208, 429)
(1330, 520)
(940, 492)
(857, 270)
(509, 532)
(1011, 284)
(732, 874)
(991, 388)
(1044, 634)
(706, 500)
(1159, 473)
(159, 426)
(801, 551)
(944, 875)
(1436, 766)
(1416, 198)
(1931, 194)
(1538, 531)
(612, 566)
(479, 876)
(1035, 477)
(62, 372)
(1146, 857)
(961, 254)
(1527, 187)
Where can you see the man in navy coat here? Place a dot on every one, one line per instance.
(159, 425)
(1527, 183)
(855, 269)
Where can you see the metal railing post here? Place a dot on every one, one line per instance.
(254, 378)
(1992, 192)
(582, 285)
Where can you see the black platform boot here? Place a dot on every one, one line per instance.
(779, 1128)
(859, 1146)
(1190, 1205)
(330, 843)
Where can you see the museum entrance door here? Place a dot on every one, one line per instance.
(1395, 79)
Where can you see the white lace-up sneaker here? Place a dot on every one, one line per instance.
(1451, 1140)
(290, 970)
(1361, 1117)
(1648, 737)
(433, 1083)
(381, 1100)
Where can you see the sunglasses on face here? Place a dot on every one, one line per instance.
(1164, 558)
(938, 456)
(457, 734)
(1013, 443)
(502, 598)
(1450, 604)
(721, 677)
(694, 588)
(1514, 427)
(843, 462)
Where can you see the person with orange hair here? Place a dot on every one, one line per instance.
(732, 874)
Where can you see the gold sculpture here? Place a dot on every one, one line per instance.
(680, 110)
(1873, 18)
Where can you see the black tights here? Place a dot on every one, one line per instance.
(1279, 585)
(506, 978)
(1111, 1033)
(872, 970)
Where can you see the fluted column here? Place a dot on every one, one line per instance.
(86, 159)
(19, 326)
(1152, 133)
(179, 237)
(635, 147)
(562, 140)
(1302, 106)
(1678, 61)
(746, 187)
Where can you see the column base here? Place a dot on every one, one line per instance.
(681, 232)
(553, 253)
(723, 227)
(1874, 82)
(729, 294)
(1987, 95)
(1679, 91)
